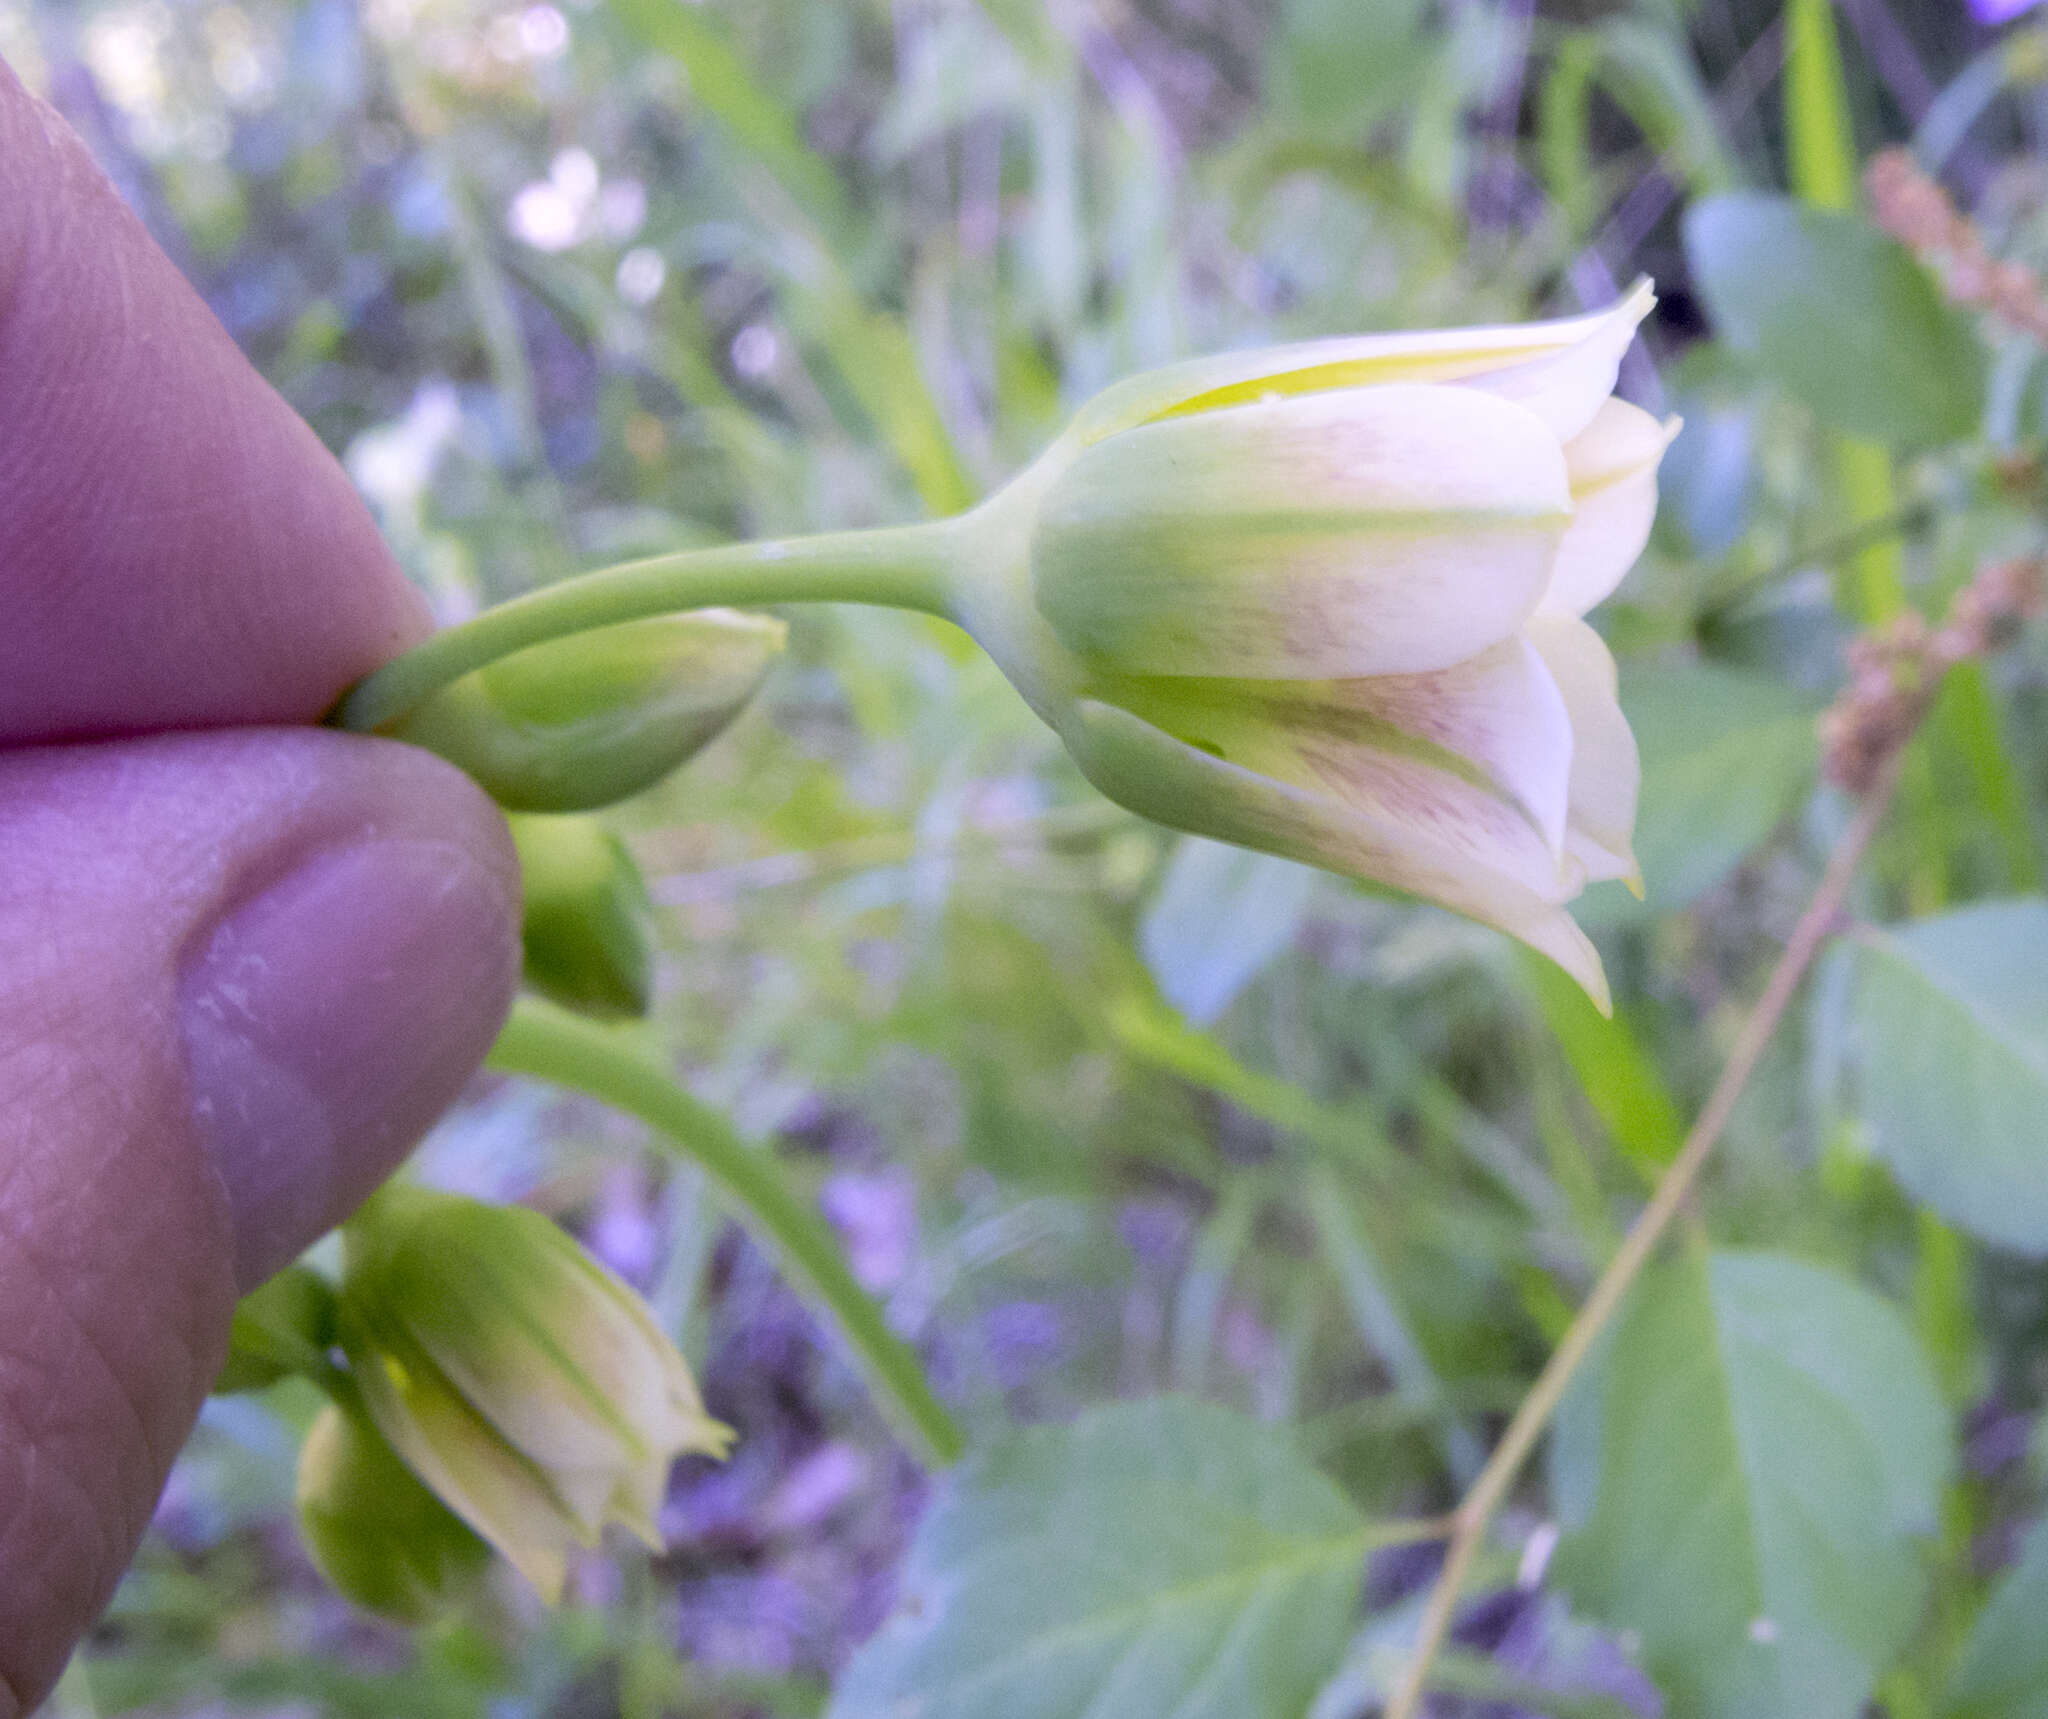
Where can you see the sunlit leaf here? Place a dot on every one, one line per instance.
(1950, 1017)
(1840, 315)
(1155, 1560)
(1743, 1479)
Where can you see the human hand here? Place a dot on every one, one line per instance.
(243, 963)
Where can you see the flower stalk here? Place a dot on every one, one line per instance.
(894, 567)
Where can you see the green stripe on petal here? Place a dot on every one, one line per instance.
(1376, 531)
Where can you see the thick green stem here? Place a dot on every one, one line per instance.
(554, 1045)
(897, 567)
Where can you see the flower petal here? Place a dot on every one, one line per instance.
(1428, 807)
(450, 1447)
(1554, 933)
(1371, 531)
(1564, 388)
(1180, 785)
(1613, 464)
(1498, 715)
(1348, 361)
(1606, 772)
(545, 1361)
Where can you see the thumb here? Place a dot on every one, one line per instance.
(243, 973)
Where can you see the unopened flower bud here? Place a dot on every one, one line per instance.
(585, 931)
(380, 1537)
(1325, 600)
(523, 1382)
(588, 719)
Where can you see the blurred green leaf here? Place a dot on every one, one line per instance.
(1840, 315)
(1621, 1082)
(1950, 1017)
(2003, 1671)
(722, 83)
(1152, 1559)
(1726, 755)
(1339, 63)
(1742, 1476)
(1220, 915)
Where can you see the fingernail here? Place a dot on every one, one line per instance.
(329, 1019)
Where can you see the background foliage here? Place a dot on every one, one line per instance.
(1102, 1114)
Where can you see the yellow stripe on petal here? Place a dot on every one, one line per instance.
(1207, 384)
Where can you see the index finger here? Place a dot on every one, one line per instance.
(177, 549)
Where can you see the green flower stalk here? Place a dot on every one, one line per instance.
(525, 1384)
(584, 933)
(1324, 600)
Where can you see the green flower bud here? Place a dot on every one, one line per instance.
(1326, 600)
(285, 1326)
(585, 929)
(380, 1537)
(527, 1385)
(582, 721)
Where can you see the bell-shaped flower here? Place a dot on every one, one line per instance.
(1325, 600)
(522, 1381)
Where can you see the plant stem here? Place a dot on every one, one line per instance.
(897, 567)
(1475, 1514)
(1826, 552)
(555, 1045)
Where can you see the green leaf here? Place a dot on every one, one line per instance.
(283, 1327)
(1841, 315)
(1153, 1559)
(1742, 1479)
(1621, 1081)
(1337, 64)
(1950, 1020)
(2003, 1671)
(1220, 916)
(1726, 755)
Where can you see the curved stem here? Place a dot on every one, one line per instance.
(897, 567)
(554, 1045)
(1475, 1514)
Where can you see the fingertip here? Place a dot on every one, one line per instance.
(244, 972)
(329, 1018)
(177, 549)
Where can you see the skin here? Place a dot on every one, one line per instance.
(244, 962)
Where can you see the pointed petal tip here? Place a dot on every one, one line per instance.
(1557, 935)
